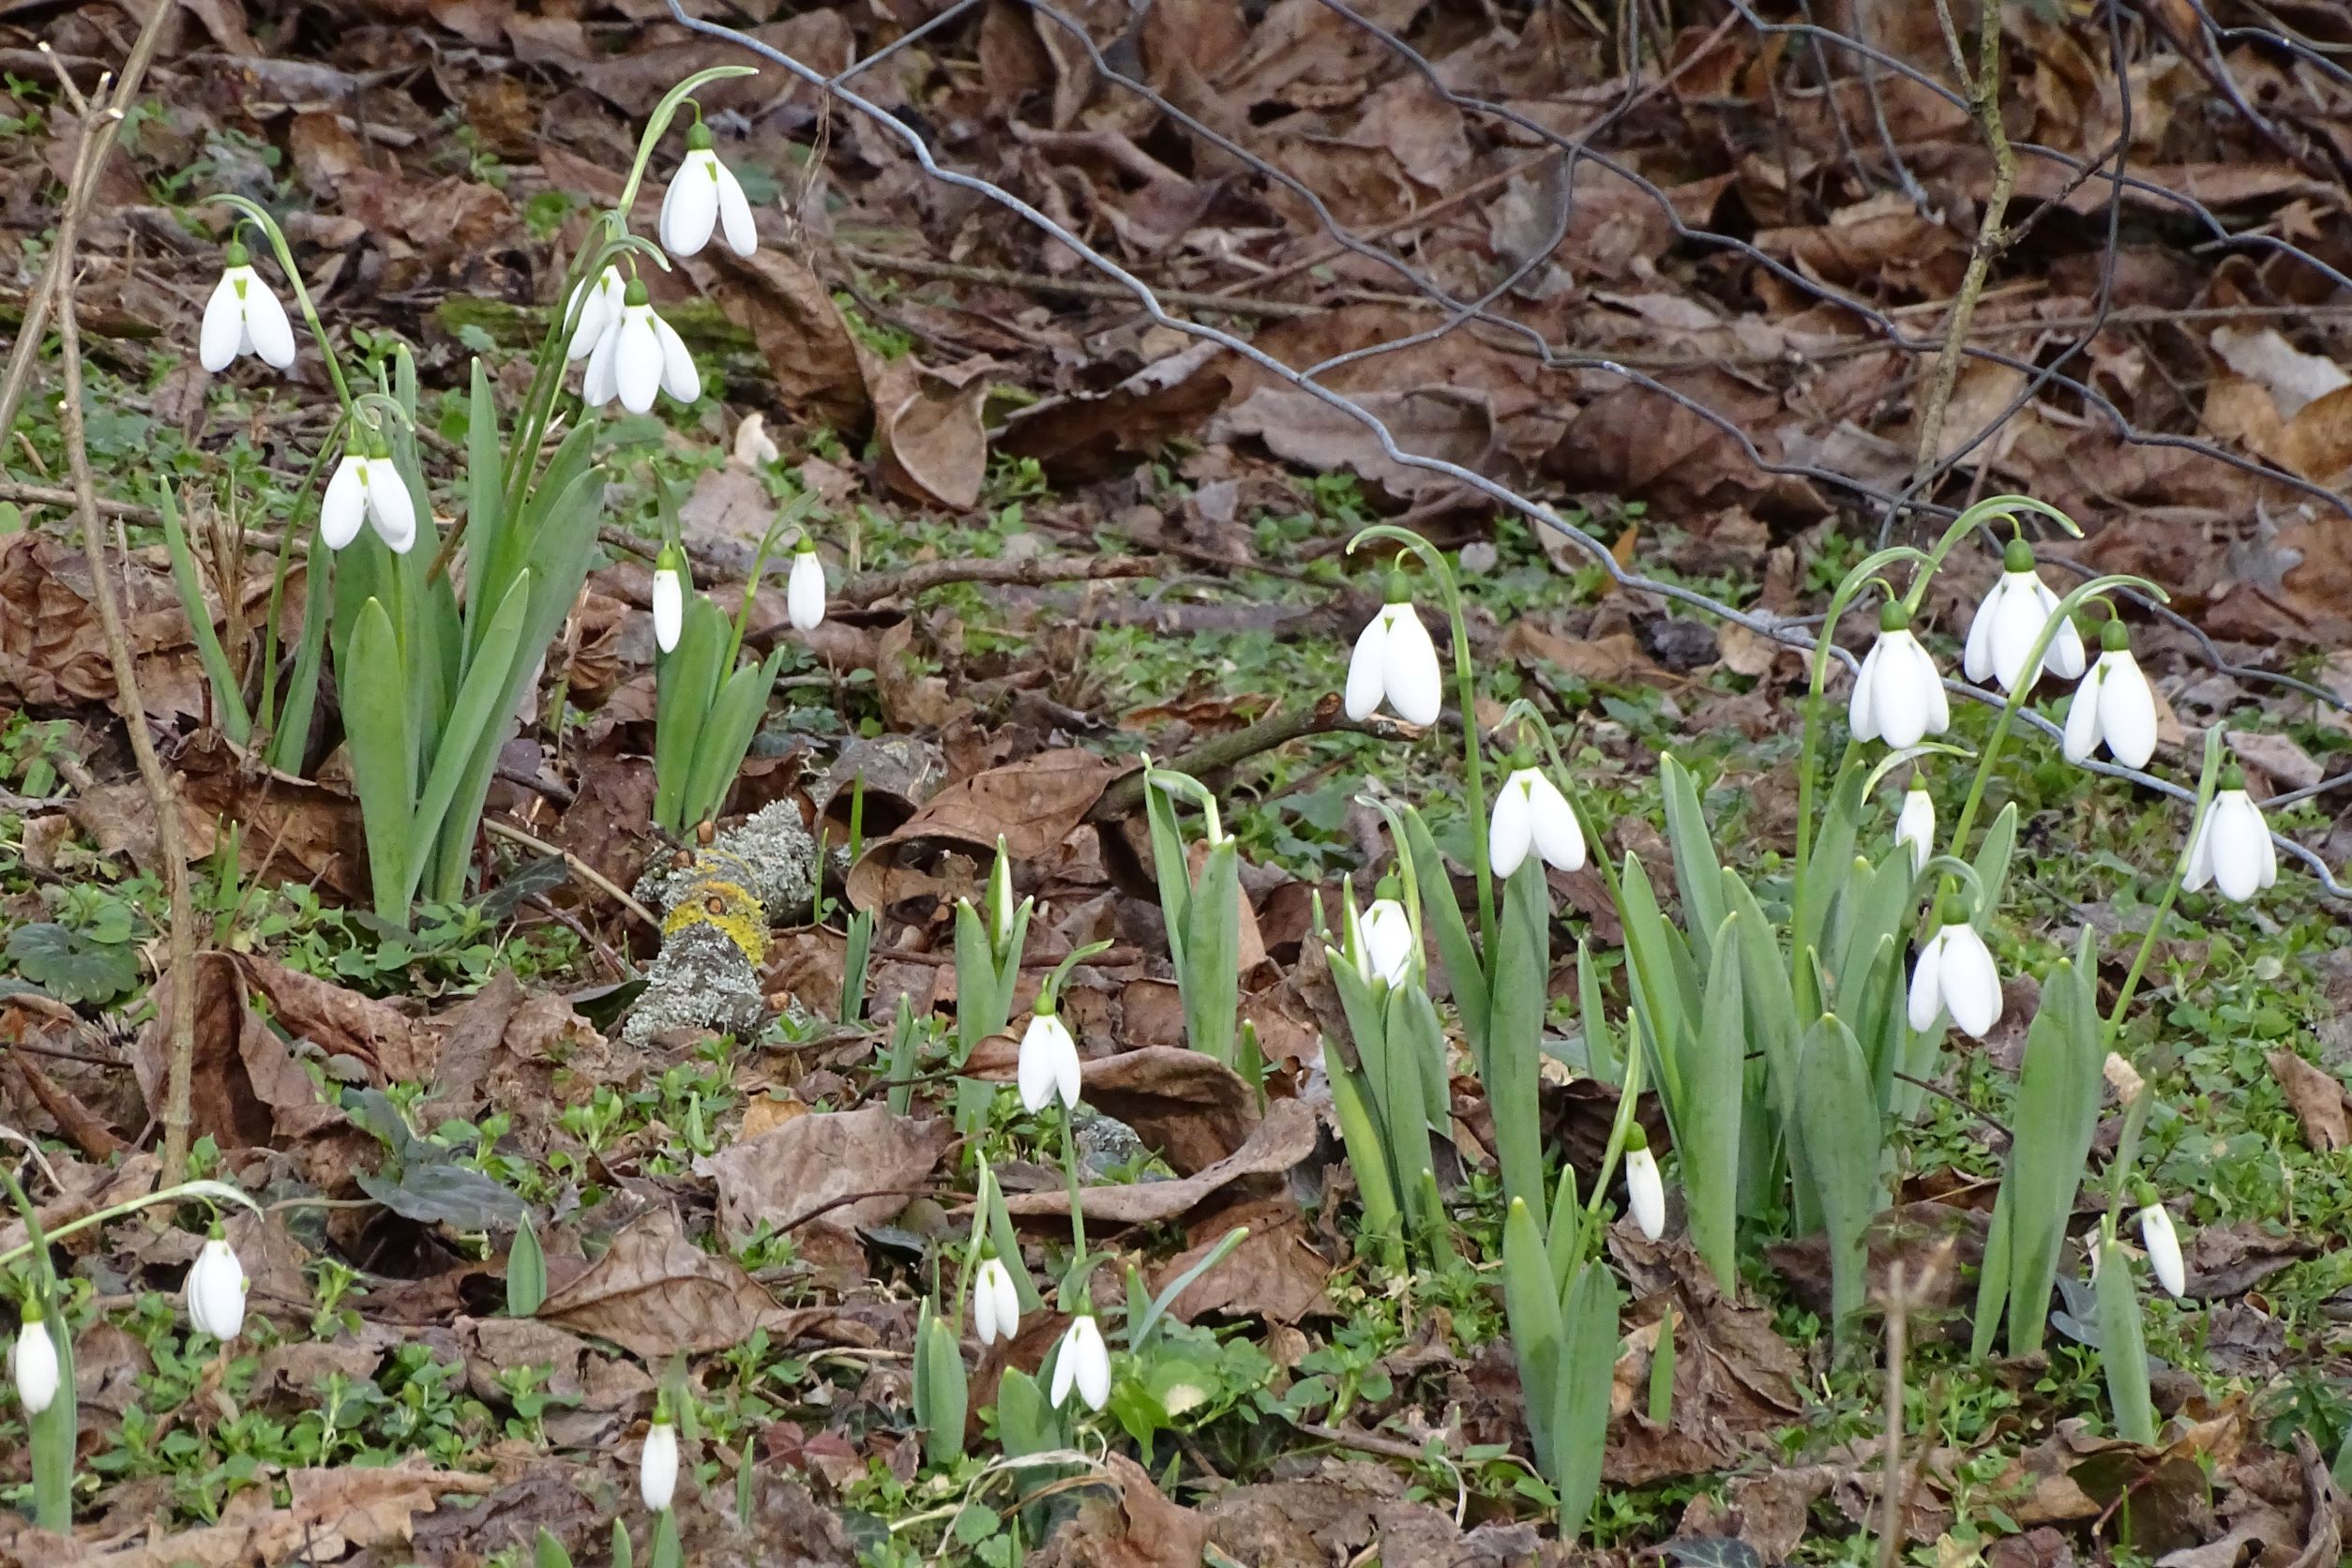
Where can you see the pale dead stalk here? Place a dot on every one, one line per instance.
(161, 798)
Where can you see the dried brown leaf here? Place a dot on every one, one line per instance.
(1285, 1137)
(809, 1165)
(2319, 1099)
(655, 1293)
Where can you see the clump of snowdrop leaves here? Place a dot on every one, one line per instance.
(368, 488)
(2113, 706)
(1048, 1065)
(637, 355)
(1898, 695)
(805, 590)
(244, 317)
(33, 1360)
(2009, 622)
(1954, 974)
(1530, 812)
(216, 1289)
(1394, 662)
(703, 196)
(2232, 849)
(1916, 826)
(1082, 1364)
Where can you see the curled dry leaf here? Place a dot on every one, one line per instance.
(2319, 1101)
(1285, 1137)
(810, 1163)
(245, 1089)
(1034, 804)
(655, 1293)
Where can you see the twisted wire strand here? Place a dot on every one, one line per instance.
(1789, 631)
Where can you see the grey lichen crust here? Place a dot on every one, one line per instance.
(716, 913)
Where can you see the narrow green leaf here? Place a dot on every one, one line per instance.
(1661, 1372)
(1170, 866)
(2056, 1116)
(665, 1551)
(549, 1552)
(375, 719)
(1442, 916)
(475, 711)
(944, 1426)
(1656, 979)
(1530, 1306)
(726, 736)
(1140, 1339)
(856, 957)
(685, 679)
(1514, 1031)
(526, 1272)
(484, 503)
(2123, 1346)
(290, 743)
(1838, 1121)
(1367, 1156)
(228, 698)
(1588, 1365)
(624, 1550)
(1210, 973)
(1993, 856)
(1712, 1091)
(1992, 1280)
(1600, 1046)
(1697, 873)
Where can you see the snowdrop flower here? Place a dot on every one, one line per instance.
(2164, 1247)
(368, 488)
(1083, 1364)
(1953, 973)
(1049, 1061)
(35, 1361)
(1384, 939)
(1898, 696)
(599, 312)
(1531, 812)
(244, 317)
(996, 1305)
(669, 584)
(2011, 618)
(805, 590)
(2232, 849)
(1916, 826)
(657, 1467)
(2113, 706)
(216, 1289)
(702, 196)
(1645, 1192)
(637, 355)
(1394, 662)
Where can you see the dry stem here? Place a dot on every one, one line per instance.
(161, 798)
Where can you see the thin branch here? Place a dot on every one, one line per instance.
(577, 867)
(1220, 752)
(161, 798)
(1036, 571)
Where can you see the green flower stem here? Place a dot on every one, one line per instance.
(972, 1247)
(1070, 1173)
(1466, 696)
(1974, 517)
(1191, 789)
(298, 527)
(1815, 716)
(795, 509)
(258, 216)
(2206, 783)
(210, 1190)
(2066, 607)
(663, 113)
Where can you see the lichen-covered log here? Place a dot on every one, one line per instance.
(715, 910)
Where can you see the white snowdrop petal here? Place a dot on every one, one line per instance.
(597, 389)
(1916, 827)
(1976, 654)
(1559, 836)
(1387, 936)
(34, 1362)
(637, 360)
(2162, 1243)
(2127, 712)
(1367, 685)
(1970, 983)
(1510, 833)
(223, 327)
(679, 377)
(1410, 668)
(1645, 1192)
(1900, 704)
(390, 508)
(343, 509)
(2238, 841)
(2200, 869)
(266, 324)
(734, 213)
(805, 592)
(690, 208)
(2081, 737)
(1927, 998)
(1861, 710)
(1093, 1358)
(657, 1467)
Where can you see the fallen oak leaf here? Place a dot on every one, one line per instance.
(2319, 1101)
(1285, 1137)
(655, 1293)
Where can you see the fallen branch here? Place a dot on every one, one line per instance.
(1036, 571)
(1220, 752)
(577, 867)
(161, 798)
(46, 495)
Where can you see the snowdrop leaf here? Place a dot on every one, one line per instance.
(1714, 1095)
(1664, 988)
(1368, 1155)
(227, 697)
(684, 684)
(2056, 1116)
(1210, 973)
(2123, 1346)
(1697, 872)
(477, 709)
(1580, 1412)
(1442, 917)
(1515, 1030)
(383, 755)
(1839, 1123)
(1993, 857)
(726, 734)
(526, 1270)
(1530, 1304)
(485, 493)
(1600, 1046)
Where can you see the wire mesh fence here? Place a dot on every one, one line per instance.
(1765, 73)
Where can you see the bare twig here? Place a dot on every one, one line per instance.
(1220, 752)
(88, 165)
(1036, 571)
(1088, 288)
(577, 867)
(161, 798)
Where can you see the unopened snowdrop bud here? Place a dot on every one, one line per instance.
(1394, 662)
(2001, 636)
(1083, 1364)
(600, 300)
(1048, 1066)
(670, 586)
(34, 1361)
(639, 356)
(657, 1466)
(1645, 1191)
(1385, 939)
(2164, 1246)
(216, 1289)
(2232, 849)
(1898, 696)
(366, 487)
(1530, 813)
(705, 195)
(996, 1305)
(244, 317)
(1916, 826)
(1001, 897)
(1955, 974)
(805, 590)
(2113, 706)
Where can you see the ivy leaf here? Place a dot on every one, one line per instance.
(444, 1195)
(71, 967)
(1712, 1551)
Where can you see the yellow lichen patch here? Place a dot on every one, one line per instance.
(713, 900)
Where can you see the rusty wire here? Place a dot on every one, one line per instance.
(1823, 47)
